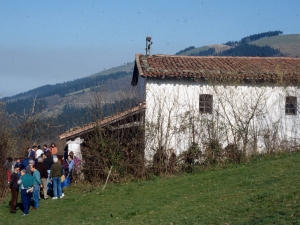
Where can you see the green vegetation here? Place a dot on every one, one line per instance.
(78, 86)
(209, 51)
(251, 50)
(62, 89)
(241, 48)
(289, 45)
(265, 191)
(291, 39)
(128, 67)
(185, 50)
(194, 50)
(255, 37)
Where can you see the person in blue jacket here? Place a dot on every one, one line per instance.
(26, 182)
(36, 187)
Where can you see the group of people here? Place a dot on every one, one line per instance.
(41, 169)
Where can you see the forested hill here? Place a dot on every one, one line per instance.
(62, 89)
(267, 44)
(68, 104)
(254, 37)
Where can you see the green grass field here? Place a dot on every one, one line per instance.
(265, 191)
(289, 39)
(289, 44)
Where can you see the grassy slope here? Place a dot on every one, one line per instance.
(281, 39)
(195, 50)
(288, 44)
(126, 68)
(266, 191)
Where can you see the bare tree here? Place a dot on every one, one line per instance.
(7, 146)
(118, 145)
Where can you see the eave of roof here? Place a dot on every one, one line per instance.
(104, 122)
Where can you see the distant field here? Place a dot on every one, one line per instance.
(288, 44)
(195, 50)
(290, 39)
(126, 68)
(217, 47)
(264, 191)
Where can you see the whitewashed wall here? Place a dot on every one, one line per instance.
(74, 146)
(173, 118)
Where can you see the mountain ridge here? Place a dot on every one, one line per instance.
(288, 44)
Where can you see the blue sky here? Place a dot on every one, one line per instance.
(48, 42)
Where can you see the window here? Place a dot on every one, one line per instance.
(206, 103)
(291, 105)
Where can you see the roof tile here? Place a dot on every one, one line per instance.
(263, 68)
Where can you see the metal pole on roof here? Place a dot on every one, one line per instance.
(148, 45)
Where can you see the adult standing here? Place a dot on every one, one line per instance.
(66, 150)
(48, 162)
(8, 167)
(46, 149)
(14, 188)
(31, 152)
(71, 165)
(26, 181)
(38, 152)
(55, 176)
(53, 149)
(28, 167)
(17, 162)
(36, 187)
(24, 163)
(41, 167)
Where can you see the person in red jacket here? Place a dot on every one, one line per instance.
(53, 149)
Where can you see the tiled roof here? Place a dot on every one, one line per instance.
(104, 122)
(257, 68)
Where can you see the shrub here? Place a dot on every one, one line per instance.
(233, 154)
(214, 152)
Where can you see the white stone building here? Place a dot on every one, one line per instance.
(251, 102)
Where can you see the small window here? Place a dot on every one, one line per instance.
(206, 103)
(291, 105)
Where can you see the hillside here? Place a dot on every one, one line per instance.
(126, 68)
(109, 92)
(65, 88)
(287, 44)
(264, 191)
(78, 93)
(217, 47)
